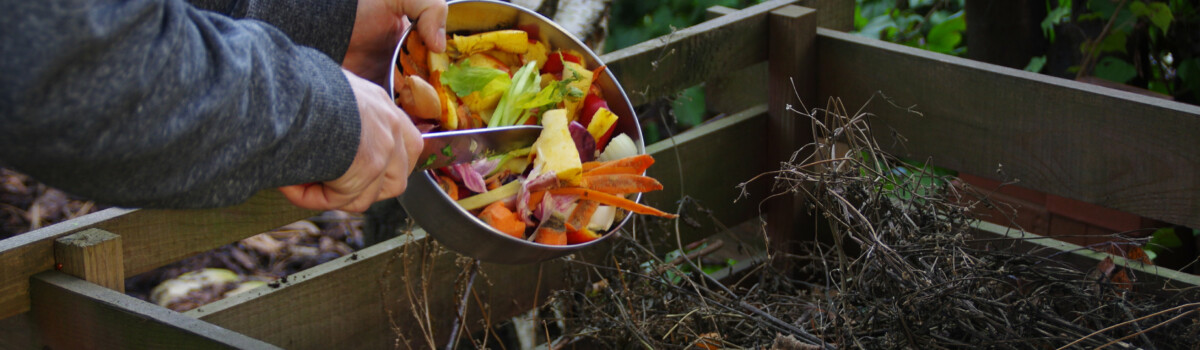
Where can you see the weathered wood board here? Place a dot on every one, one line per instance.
(75, 314)
(1111, 148)
(1148, 277)
(150, 238)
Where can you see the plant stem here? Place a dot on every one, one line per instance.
(1090, 59)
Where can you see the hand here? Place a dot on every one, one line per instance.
(378, 25)
(387, 153)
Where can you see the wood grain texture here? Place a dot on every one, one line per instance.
(364, 300)
(736, 89)
(1111, 148)
(791, 84)
(665, 65)
(18, 333)
(1149, 277)
(706, 165)
(71, 313)
(93, 255)
(150, 238)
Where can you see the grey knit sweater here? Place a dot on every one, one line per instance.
(162, 103)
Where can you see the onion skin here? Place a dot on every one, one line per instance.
(418, 98)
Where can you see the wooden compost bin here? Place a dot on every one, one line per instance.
(1115, 149)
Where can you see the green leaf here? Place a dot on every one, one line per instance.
(1114, 42)
(1053, 18)
(1189, 74)
(945, 36)
(1161, 242)
(1106, 8)
(465, 79)
(689, 108)
(1115, 69)
(877, 26)
(859, 20)
(1158, 13)
(912, 4)
(1036, 64)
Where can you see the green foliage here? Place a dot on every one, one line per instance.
(635, 21)
(909, 179)
(1158, 13)
(675, 278)
(935, 25)
(1164, 240)
(689, 107)
(1055, 17)
(1036, 64)
(1114, 69)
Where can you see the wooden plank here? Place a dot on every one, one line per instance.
(153, 237)
(362, 301)
(18, 333)
(93, 255)
(665, 65)
(790, 85)
(1148, 276)
(71, 313)
(707, 163)
(736, 89)
(1111, 148)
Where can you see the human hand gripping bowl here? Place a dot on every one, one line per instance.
(503, 66)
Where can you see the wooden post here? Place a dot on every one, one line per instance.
(791, 57)
(833, 14)
(93, 255)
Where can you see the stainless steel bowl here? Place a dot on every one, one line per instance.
(449, 223)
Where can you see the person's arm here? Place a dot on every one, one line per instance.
(321, 24)
(157, 103)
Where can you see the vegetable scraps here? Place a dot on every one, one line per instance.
(571, 186)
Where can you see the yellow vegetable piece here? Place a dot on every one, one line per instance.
(601, 122)
(483, 199)
(510, 40)
(438, 61)
(582, 82)
(556, 150)
(449, 110)
(509, 59)
(482, 103)
(538, 52)
(484, 60)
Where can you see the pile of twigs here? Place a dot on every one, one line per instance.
(902, 270)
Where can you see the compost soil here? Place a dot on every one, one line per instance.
(902, 268)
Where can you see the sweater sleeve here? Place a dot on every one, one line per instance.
(157, 103)
(321, 24)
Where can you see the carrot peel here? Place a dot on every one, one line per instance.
(581, 215)
(621, 183)
(609, 199)
(503, 219)
(628, 165)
